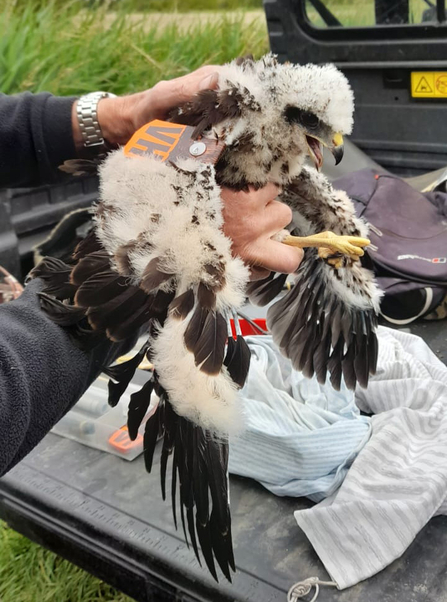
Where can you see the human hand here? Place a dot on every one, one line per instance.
(120, 117)
(251, 219)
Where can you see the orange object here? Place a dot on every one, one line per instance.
(121, 441)
(156, 137)
(172, 141)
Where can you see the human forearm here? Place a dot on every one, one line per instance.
(42, 374)
(35, 137)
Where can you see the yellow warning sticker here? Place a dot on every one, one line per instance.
(429, 84)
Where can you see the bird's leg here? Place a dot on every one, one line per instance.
(337, 260)
(328, 244)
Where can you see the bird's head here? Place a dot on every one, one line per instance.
(272, 117)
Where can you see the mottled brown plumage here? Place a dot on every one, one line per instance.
(159, 262)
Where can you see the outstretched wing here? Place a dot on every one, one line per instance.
(327, 321)
(158, 262)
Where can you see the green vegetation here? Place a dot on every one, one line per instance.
(187, 5)
(65, 48)
(28, 573)
(359, 13)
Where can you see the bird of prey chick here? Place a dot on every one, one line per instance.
(157, 260)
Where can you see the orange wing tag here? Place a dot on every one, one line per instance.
(171, 141)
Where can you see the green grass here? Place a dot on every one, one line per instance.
(28, 573)
(359, 13)
(187, 5)
(65, 50)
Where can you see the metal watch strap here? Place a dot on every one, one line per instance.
(87, 111)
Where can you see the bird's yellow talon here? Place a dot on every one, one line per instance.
(329, 243)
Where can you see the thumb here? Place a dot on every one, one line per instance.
(209, 82)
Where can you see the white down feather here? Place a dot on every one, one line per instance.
(136, 189)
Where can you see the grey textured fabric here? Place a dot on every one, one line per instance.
(42, 374)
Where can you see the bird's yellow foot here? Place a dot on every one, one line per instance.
(337, 260)
(329, 243)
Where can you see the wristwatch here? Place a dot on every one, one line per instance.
(87, 111)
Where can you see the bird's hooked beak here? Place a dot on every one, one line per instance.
(338, 148)
(315, 144)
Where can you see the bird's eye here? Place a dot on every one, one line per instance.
(293, 114)
(309, 120)
(304, 118)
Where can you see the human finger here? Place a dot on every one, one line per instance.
(275, 217)
(275, 256)
(170, 93)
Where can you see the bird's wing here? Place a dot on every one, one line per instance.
(327, 321)
(157, 260)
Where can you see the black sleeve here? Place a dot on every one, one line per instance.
(42, 374)
(35, 138)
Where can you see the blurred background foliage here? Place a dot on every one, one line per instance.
(75, 46)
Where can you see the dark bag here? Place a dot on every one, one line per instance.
(408, 233)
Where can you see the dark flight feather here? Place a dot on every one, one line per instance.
(100, 288)
(348, 366)
(220, 519)
(206, 296)
(237, 360)
(201, 496)
(321, 355)
(209, 350)
(88, 266)
(174, 491)
(87, 245)
(373, 351)
(319, 332)
(138, 406)
(61, 313)
(335, 364)
(361, 361)
(261, 292)
(170, 422)
(194, 328)
(182, 305)
(208, 108)
(50, 266)
(150, 439)
(231, 346)
(199, 468)
(122, 375)
(104, 316)
(56, 276)
(125, 329)
(80, 167)
(122, 258)
(153, 277)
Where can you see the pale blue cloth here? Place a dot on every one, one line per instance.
(301, 437)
